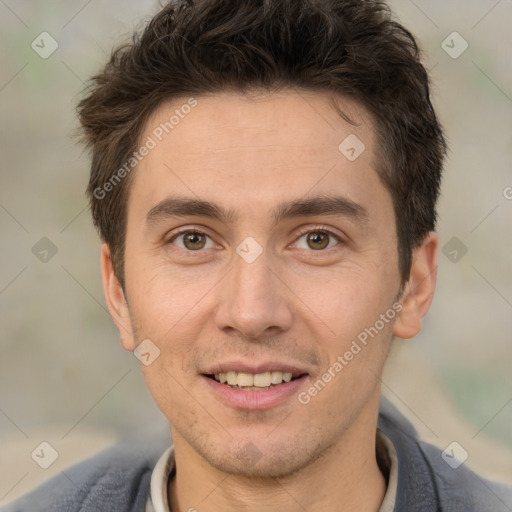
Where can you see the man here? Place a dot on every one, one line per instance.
(264, 179)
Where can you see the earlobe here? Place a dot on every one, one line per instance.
(116, 301)
(419, 290)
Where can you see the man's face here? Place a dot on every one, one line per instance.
(304, 261)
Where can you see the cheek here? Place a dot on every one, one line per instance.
(348, 300)
(164, 301)
(356, 313)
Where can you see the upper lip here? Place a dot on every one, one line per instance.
(260, 367)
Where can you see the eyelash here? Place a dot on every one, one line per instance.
(302, 232)
(319, 229)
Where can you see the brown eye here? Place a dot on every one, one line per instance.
(317, 240)
(192, 241)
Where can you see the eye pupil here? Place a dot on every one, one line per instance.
(318, 240)
(194, 241)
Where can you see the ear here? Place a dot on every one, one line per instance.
(419, 289)
(116, 301)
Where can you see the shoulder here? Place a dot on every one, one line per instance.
(427, 481)
(459, 488)
(115, 479)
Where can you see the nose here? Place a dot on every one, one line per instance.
(253, 301)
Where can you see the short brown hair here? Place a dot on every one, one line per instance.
(194, 47)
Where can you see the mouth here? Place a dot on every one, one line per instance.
(254, 385)
(254, 381)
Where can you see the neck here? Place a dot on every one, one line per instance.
(345, 477)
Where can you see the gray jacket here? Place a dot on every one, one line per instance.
(117, 480)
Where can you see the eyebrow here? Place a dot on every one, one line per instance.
(318, 205)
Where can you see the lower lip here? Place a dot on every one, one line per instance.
(252, 399)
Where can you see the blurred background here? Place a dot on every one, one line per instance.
(64, 378)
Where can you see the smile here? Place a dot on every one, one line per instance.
(261, 390)
(253, 381)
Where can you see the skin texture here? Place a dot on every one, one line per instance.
(293, 304)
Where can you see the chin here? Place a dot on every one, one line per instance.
(271, 461)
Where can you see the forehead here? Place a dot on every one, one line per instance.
(291, 117)
(258, 150)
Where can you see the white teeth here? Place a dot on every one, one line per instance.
(245, 379)
(253, 381)
(263, 380)
(231, 378)
(277, 377)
